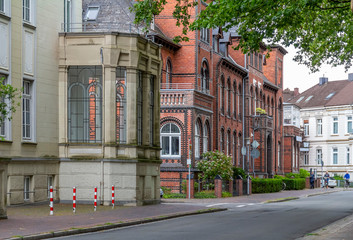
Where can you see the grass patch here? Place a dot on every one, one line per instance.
(312, 234)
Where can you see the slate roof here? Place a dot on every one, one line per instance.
(332, 93)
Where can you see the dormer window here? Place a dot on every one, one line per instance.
(92, 13)
(330, 95)
(301, 98)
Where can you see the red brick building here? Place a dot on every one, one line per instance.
(209, 95)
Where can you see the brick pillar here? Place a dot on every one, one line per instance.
(191, 188)
(307, 182)
(231, 187)
(239, 187)
(218, 186)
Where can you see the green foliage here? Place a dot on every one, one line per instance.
(261, 111)
(205, 194)
(320, 30)
(278, 177)
(183, 186)
(267, 185)
(304, 173)
(338, 177)
(175, 195)
(226, 194)
(215, 163)
(238, 172)
(294, 183)
(166, 190)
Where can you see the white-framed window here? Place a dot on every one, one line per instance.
(306, 129)
(221, 141)
(50, 182)
(170, 140)
(27, 110)
(306, 158)
(319, 156)
(2, 5)
(349, 124)
(205, 137)
(205, 34)
(5, 121)
(197, 139)
(27, 187)
(334, 155)
(92, 13)
(335, 125)
(348, 156)
(67, 15)
(27, 10)
(85, 104)
(319, 127)
(205, 81)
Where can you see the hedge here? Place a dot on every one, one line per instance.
(294, 183)
(266, 185)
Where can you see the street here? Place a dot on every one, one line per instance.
(282, 220)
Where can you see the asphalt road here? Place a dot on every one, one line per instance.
(284, 220)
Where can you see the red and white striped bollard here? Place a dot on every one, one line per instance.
(74, 199)
(113, 196)
(95, 199)
(51, 205)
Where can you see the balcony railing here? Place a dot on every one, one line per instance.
(184, 86)
(172, 98)
(87, 26)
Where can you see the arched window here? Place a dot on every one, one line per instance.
(228, 96)
(272, 108)
(221, 143)
(268, 106)
(170, 140)
(251, 101)
(235, 152)
(168, 74)
(197, 139)
(280, 109)
(222, 100)
(205, 85)
(121, 105)
(240, 162)
(206, 131)
(235, 99)
(229, 142)
(240, 102)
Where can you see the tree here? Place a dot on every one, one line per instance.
(320, 30)
(8, 96)
(215, 163)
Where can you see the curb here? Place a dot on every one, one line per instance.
(282, 200)
(107, 226)
(321, 193)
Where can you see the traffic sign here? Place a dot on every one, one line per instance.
(255, 144)
(243, 151)
(255, 153)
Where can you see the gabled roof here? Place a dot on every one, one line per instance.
(332, 93)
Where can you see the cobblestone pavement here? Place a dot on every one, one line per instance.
(35, 219)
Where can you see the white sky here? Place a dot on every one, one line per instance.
(299, 76)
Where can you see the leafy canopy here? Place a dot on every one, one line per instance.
(320, 30)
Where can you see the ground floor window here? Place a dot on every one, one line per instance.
(170, 140)
(26, 189)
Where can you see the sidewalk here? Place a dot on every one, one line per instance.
(34, 222)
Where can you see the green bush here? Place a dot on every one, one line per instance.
(166, 190)
(226, 194)
(278, 177)
(338, 177)
(266, 185)
(205, 194)
(294, 183)
(183, 186)
(174, 195)
(238, 172)
(304, 173)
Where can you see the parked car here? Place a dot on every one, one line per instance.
(332, 182)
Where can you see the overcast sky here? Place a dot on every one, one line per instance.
(299, 76)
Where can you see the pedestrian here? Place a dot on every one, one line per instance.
(312, 180)
(346, 178)
(326, 178)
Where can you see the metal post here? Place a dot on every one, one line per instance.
(189, 182)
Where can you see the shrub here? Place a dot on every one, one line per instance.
(294, 184)
(215, 163)
(304, 173)
(226, 194)
(174, 195)
(183, 186)
(266, 185)
(238, 172)
(278, 177)
(166, 190)
(205, 194)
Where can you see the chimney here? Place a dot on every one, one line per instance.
(350, 76)
(323, 80)
(296, 92)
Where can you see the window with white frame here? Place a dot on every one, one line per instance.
(319, 156)
(334, 155)
(85, 104)
(92, 13)
(27, 110)
(205, 85)
(306, 128)
(121, 106)
(27, 187)
(4, 118)
(170, 140)
(197, 139)
(2, 5)
(205, 137)
(319, 127)
(221, 141)
(67, 15)
(335, 125)
(348, 156)
(50, 183)
(27, 10)
(349, 124)
(306, 158)
(205, 34)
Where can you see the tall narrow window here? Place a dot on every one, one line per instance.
(27, 110)
(235, 148)
(4, 120)
(222, 100)
(256, 58)
(349, 124)
(221, 142)
(335, 125)
(205, 137)
(260, 62)
(151, 110)
(139, 107)
(168, 74)
(240, 103)
(27, 10)
(170, 140)
(197, 139)
(229, 147)
(228, 97)
(26, 188)
(121, 105)
(67, 15)
(306, 127)
(85, 104)
(306, 159)
(319, 156)
(335, 156)
(319, 127)
(2, 5)
(235, 102)
(279, 155)
(348, 155)
(205, 87)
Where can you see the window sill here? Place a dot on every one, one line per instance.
(170, 157)
(335, 134)
(29, 25)
(29, 143)
(6, 141)
(4, 16)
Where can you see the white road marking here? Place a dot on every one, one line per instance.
(216, 204)
(241, 205)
